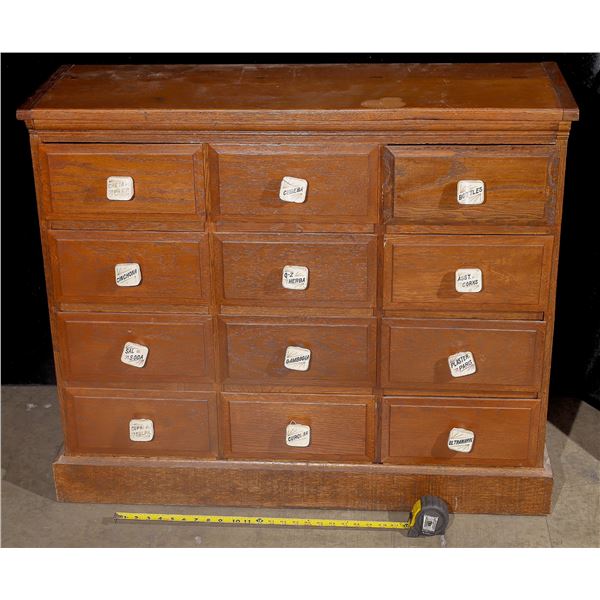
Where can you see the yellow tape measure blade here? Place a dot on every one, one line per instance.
(241, 520)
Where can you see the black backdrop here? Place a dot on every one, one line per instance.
(26, 345)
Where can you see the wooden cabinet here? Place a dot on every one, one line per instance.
(308, 285)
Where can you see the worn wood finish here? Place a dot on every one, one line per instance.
(382, 148)
(342, 351)
(342, 428)
(342, 269)
(419, 272)
(524, 491)
(415, 431)
(520, 184)
(342, 182)
(508, 356)
(180, 349)
(175, 267)
(185, 423)
(168, 181)
(296, 97)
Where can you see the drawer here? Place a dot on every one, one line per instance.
(334, 270)
(417, 430)
(173, 424)
(153, 268)
(92, 345)
(519, 185)
(341, 182)
(341, 352)
(507, 356)
(333, 427)
(467, 272)
(167, 181)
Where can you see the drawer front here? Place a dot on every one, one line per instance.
(181, 423)
(519, 184)
(508, 356)
(416, 431)
(342, 351)
(335, 270)
(179, 349)
(341, 182)
(339, 427)
(173, 268)
(470, 273)
(167, 181)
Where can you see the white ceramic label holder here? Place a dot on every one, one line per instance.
(297, 436)
(134, 354)
(297, 358)
(119, 188)
(461, 440)
(141, 430)
(462, 364)
(470, 191)
(293, 189)
(128, 274)
(294, 277)
(468, 281)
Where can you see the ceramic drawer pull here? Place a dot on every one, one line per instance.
(297, 436)
(293, 189)
(134, 354)
(128, 274)
(467, 281)
(470, 191)
(294, 277)
(462, 364)
(119, 188)
(461, 440)
(297, 358)
(141, 430)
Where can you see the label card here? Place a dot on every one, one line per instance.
(462, 364)
(141, 430)
(297, 435)
(461, 440)
(119, 188)
(294, 278)
(468, 280)
(296, 358)
(470, 191)
(134, 354)
(293, 189)
(128, 274)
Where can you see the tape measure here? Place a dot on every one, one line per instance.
(429, 516)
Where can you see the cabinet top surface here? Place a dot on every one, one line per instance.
(360, 92)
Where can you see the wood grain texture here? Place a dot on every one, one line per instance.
(180, 350)
(185, 423)
(520, 184)
(342, 428)
(342, 351)
(525, 491)
(342, 269)
(415, 431)
(175, 267)
(508, 356)
(168, 181)
(342, 182)
(152, 97)
(419, 272)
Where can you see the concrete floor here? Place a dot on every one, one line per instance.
(31, 437)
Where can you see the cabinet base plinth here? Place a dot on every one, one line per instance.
(519, 491)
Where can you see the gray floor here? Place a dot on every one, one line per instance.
(31, 438)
